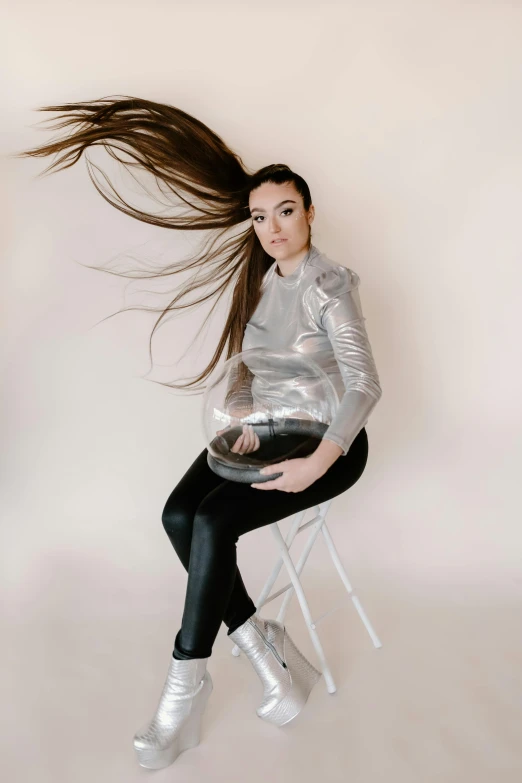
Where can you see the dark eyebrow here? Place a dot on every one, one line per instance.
(286, 201)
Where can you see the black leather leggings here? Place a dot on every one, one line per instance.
(204, 517)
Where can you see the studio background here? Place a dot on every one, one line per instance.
(405, 120)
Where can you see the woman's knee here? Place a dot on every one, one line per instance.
(177, 517)
(213, 525)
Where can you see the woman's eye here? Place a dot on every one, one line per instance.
(283, 212)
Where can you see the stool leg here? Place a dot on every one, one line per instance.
(299, 567)
(275, 571)
(342, 573)
(330, 684)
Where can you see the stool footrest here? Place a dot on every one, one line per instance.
(321, 617)
(307, 524)
(278, 593)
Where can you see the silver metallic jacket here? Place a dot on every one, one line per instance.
(316, 311)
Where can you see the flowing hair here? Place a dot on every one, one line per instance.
(188, 159)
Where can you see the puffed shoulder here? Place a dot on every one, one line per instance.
(334, 282)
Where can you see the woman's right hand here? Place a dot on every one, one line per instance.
(248, 441)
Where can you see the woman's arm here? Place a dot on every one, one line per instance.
(238, 396)
(325, 455)
(341, 316)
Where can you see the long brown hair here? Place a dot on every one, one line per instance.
(195, 164)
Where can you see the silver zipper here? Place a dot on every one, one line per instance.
(269, 644)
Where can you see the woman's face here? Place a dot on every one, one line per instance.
(278, 214)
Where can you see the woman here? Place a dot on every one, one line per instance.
(287, 295)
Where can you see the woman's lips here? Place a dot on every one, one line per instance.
(278, 241)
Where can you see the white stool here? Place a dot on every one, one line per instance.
(317, 523)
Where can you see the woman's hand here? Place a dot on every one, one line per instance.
(248, 441)
(298, 474)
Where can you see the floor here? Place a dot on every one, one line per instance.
(87, 647)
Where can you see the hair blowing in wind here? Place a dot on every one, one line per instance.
(189, 160)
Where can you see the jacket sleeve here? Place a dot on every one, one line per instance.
(340, 314)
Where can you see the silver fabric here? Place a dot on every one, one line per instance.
(176, 724)
(315, 311)
(286, 675)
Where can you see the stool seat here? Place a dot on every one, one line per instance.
(317, 525)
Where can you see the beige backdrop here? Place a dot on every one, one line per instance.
(405, 119)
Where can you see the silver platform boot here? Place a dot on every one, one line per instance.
(287, 676)
(176, 725)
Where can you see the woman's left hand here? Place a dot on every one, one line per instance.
(298, 474)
